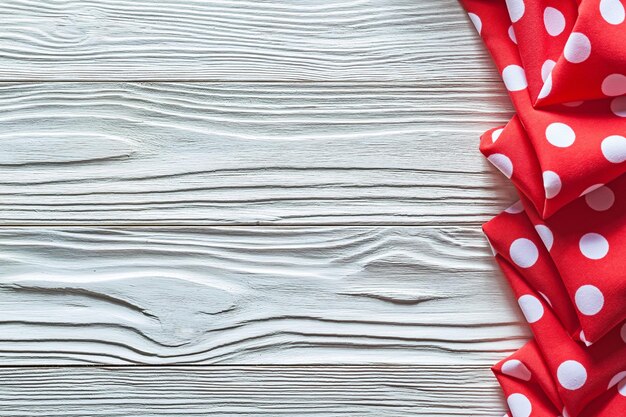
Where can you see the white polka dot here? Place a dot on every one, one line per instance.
(560, 135)
(551, 183)
(577, 48)
(547, 87)
(514, 78)
(612, 11)
(614, 85)
(503, 163)
(546, 235)
(496, 134)
(531, 307)
(600, 199)
(493, 250)
(554, 21)
(516, 369)
(545, 297)
(621, 387)
(571, 375)
(584, 339)
(623, 332)
(614, 149)
(546, 69)
(589, 300)
(617, 378)
(523, 252)
(519, 405)
(478, 24)
(516, 208)
(516, 9)
(512, 35)
(573, 103)
(590, 189)
(565, 413)
(593, 246)
(618, 106)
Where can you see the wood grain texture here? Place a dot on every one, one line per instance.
(275, 40)
(282, 295)
(423, 391)
(159, 153)
(325, 113)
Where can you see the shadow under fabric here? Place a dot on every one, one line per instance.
(563, 246)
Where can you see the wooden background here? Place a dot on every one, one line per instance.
(248, 208)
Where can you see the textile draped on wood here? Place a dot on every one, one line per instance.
(563, 246)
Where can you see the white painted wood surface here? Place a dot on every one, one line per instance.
(232, 153)
(217, 40)
(282, 295)
(430, 391)
(239, 185)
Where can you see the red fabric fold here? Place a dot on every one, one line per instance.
(581, 368)
(579, 253)
(563, 246)
(530, 391)
(577, 143)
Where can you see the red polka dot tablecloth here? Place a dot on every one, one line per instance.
(562, 247)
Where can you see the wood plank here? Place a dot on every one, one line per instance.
(250, 153)
(252, 295)
(273, 40)
(424, 391)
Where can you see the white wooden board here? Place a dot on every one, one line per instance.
(257, 295)
(293, 186)
(398, 391)
(134, 153)
(208, 40)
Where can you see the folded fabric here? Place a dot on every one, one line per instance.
(563, 246)
(580, 252)
(573, 145)
(571, 50)
(529, 389)
(582, 369)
